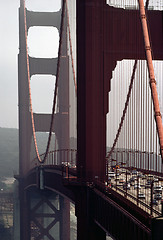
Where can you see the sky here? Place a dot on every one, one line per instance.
(9, 49)
(8, 62)
(42, 42)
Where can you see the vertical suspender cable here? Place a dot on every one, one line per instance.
(138, 117)
(147, 121)
(151, 75)
(143, 113)
(141, 116)
(125, 109)
(133, 163)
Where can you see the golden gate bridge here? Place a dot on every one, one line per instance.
(105, 146)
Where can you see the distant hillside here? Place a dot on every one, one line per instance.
(9, 150)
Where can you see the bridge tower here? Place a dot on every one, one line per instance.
(42, 121)
(96, 61)
(100, 45)
(40, 66)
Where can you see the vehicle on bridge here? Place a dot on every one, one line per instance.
(157, 196)
(141, 195)
(155, 202)
(157, 189)
(126, 186)
(137, 186)
(111, 174)
(148, 185)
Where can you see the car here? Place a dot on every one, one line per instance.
(133, 178)
(121, 181)
(150, 178)
(116, 173)
(155, 202)
(109, 179)
(111, 174)
(148, 185)
(111, 185)
(72, 166)
(132, 183)
(117, 179)
(157, 196)
(155, 179)
(149, 181)
(126, 186)
(157, 189)
(65, 164)
(134, 172)
(140, 175)
(141, 195)
(137, 186)
(143, 177)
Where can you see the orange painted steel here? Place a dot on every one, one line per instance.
(151, 75)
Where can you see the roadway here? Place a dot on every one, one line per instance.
(138, 189)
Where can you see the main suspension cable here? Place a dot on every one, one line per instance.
(56, 85)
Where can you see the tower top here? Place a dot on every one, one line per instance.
(21, 3)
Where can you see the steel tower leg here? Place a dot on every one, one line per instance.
(49, 215)
(24, 213)
(65, 219)
(16, 214)
(91, 112)
(86, 227)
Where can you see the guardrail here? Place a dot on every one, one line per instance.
(65, 157)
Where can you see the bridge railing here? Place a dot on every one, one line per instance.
(137, 187)
(65, 157)
(146, 162)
